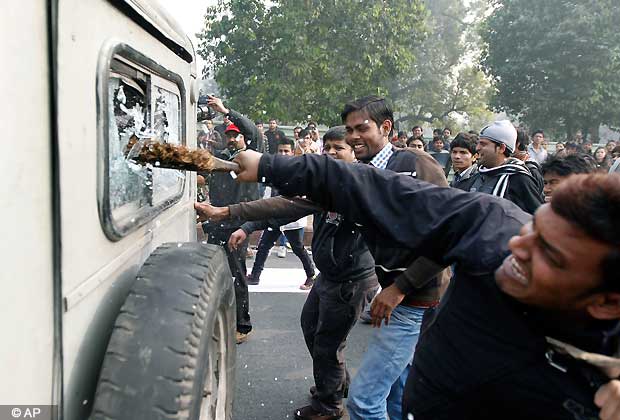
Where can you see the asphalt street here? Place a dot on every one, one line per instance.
(274, 369)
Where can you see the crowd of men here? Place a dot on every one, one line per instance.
(499, 295)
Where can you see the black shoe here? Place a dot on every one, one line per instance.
(309, 413)
(251, 281)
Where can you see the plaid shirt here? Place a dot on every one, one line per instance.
(380, 160)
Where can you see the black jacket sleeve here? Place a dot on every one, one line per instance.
(444, 224)
(253, 138)
(524, 192)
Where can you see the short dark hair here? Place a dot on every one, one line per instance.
(338, 132)
(402, 134)
(447, 128)
(286, 141)
(258, 122)
(538, 132)
(416, 126)
(273, 119)
(466, 141)
(376, 107)
(311, 123)
(298, 127)
(569, 165)
(592, 203)
(303, 133)
(412, 138)
(437, 131)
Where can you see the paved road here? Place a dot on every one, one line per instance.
(274, 369)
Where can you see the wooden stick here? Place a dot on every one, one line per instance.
(173, 156)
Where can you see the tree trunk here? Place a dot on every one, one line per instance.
(595, 133)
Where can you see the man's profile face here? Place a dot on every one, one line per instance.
(461, 158)
(365, 136)
(417, 132)
(489, 154)
(610, 146)
(285, 149)
(339, 149)
(296, 133)
(553, 265)
(552, 181)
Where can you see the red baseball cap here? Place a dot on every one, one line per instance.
(232, 127)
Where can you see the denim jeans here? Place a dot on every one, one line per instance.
(378, 386)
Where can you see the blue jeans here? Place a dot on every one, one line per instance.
(378, 386)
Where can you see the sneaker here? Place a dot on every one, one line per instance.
(251, 281)
(282, 252)
(242, 337)
(308, 284)
(309, 413)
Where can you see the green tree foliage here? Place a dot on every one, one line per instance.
(301, 57)
(445, 86)
(555, 63)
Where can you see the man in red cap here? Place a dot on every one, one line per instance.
(235, 141)
(223, 191)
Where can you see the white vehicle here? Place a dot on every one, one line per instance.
(111, 309)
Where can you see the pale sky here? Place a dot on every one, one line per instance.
(190, 15)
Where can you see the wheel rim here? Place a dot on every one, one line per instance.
(213, 404)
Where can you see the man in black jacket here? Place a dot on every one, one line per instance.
(223, 190)
(377, 387)
(347, 275)
(463, 155)
(523, 288)
(501, 175)
(273, 136)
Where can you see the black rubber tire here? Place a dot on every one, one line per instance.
(178, 318)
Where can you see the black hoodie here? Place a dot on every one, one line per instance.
(513, 180)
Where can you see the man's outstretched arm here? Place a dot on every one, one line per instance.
(444, 224)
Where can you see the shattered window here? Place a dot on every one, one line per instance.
(139, 106)
(166, 126)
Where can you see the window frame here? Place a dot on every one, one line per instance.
(113, 229)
